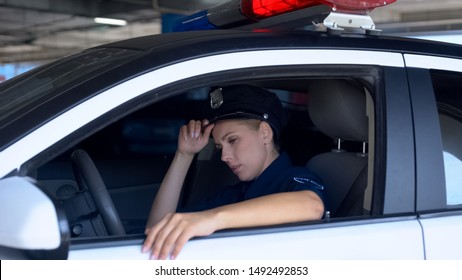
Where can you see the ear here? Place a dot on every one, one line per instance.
(266, 132)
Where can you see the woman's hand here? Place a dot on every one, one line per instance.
(194, 136)
(169, 235)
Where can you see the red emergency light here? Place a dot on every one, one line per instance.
(260, 9)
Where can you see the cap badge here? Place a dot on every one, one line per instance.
(216, 98)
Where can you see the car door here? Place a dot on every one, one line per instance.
(437, 102)
(390, 231)
(393, 233)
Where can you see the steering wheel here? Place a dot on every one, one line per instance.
(89, 178)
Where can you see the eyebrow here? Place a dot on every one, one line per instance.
(224, 136)
(227, 134)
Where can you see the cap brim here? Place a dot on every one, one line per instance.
(237, 115)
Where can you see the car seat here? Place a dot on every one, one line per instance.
(338, 109)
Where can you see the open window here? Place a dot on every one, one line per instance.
(133, 153)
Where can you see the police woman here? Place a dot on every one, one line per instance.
(246, 125)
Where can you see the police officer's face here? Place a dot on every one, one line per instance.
(245, 146)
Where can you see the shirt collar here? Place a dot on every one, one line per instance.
(262, 184)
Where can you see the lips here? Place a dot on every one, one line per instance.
(235, 168)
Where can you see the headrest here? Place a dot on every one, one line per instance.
(338, 109)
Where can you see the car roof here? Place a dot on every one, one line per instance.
(139, 55)
(306, 38)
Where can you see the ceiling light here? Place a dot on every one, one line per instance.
(111, 21)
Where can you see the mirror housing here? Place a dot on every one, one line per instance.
(32, 225)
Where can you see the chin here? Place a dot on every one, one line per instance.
(245, 178)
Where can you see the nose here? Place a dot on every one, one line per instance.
(225, 154)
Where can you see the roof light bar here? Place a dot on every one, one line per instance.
(356, 5)
(235, 13)
(260, 9)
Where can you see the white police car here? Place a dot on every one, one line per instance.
(378, 119)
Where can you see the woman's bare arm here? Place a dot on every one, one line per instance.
(175, 229)
(192, 138)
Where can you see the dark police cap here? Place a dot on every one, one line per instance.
(247, 102)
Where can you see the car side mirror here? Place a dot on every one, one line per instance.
(32, 225)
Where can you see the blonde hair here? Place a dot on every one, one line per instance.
(255, 125)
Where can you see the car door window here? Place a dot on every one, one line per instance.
(134, 153)
(448, 91)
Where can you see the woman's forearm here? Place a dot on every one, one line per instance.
(169, 191)
(270, 210)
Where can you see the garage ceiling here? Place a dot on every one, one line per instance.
(48, 29)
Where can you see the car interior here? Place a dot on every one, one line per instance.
(107, 182)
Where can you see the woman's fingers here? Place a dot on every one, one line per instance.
(171, 243)
(167, 237)
(180, 242)
(164, 237)
(194, 128)
(207, 128)
(170, 235)
(184, 132)
(198, 128)
(192, 138)
(152, 234)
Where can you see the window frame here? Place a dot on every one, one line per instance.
(431, 190)
(395, 211)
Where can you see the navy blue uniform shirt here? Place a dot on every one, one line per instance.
(279, 176)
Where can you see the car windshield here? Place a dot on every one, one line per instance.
(28, 91)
